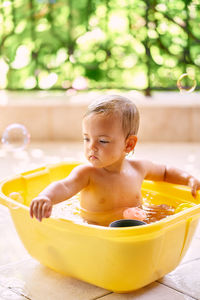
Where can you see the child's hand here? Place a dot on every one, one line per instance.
(134, 213)
(194, 183)
(41, 207)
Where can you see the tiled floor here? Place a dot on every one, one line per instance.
(22, 277)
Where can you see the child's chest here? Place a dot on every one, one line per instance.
(113, 191)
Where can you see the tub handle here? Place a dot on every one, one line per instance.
(38, 171)
(14, 201)
(9, 203)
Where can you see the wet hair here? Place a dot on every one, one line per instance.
(115, 104)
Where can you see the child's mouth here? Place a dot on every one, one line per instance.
(92, 157)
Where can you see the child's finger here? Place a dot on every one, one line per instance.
(193, 186)
(46, 210)
(49, 211)
(31, 210)
(39, 210)
(194, 190)
(34, 208)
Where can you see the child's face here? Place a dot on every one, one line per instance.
(104, 140)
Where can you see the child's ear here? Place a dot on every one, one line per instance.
(130, 143)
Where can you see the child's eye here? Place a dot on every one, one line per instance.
(86, 139)
(104, 142)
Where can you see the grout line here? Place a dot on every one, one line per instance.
(188, 261)
(101, 297)
(18, 293)
(177, 290)
(14, 291)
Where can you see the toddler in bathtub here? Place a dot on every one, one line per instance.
(110, 184)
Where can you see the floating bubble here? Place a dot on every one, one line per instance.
(186, 83)
(15, 137)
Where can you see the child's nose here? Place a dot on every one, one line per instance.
(93, 145)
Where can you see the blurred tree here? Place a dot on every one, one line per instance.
(98, 44)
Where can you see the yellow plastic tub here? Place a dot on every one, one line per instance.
(117, 259)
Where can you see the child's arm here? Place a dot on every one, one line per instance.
(159, 172)
(58, 191)
(178, 176)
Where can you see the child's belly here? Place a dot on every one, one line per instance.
(103, 218)
(100, 202)
(104, 209)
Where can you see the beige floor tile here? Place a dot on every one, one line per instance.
(37, 282)
(11, 248)
(185, 279)
(7, 294)
(154, 291)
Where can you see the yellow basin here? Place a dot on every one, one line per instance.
(117, 259)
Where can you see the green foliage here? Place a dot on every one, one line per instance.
(91, 44)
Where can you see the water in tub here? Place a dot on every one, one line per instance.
(70, 210)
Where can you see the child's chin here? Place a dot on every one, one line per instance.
(96, 164)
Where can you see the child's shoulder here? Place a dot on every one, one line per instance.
(149, 169)
(140, 164)
(83, 169)
(137, 161)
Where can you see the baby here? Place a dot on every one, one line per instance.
(110, 184)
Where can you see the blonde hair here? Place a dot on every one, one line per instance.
(111, 104)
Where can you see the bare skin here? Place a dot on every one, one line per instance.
(110, 183)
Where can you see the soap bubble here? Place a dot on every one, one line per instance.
(15, 137)
(186, 83)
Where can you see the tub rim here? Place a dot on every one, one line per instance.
(147, 230)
